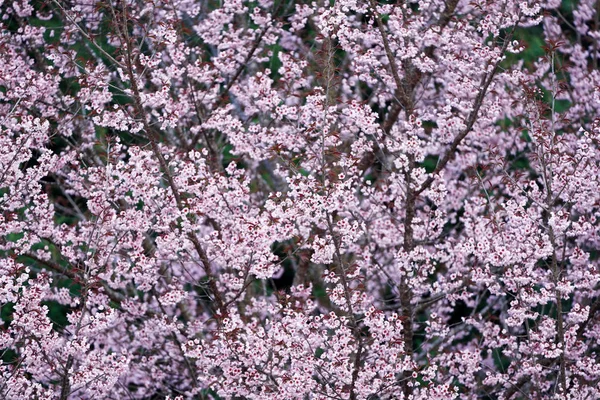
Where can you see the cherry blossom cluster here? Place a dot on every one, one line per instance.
(280, 199)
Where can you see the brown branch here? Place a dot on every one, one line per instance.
(65, 385)
(355, 328)
(402, 86)
(153, 138)
(86, 35)
(69, 273)
(179, 346)
(594, 308)
(413, 76)
(232, 81)
(471, 119)
(517, 387)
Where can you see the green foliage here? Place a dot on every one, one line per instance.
(57, 314)
(430, 163)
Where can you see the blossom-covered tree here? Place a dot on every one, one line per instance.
(280, 199)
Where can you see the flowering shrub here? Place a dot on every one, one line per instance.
(280, 199)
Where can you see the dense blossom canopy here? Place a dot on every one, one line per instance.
(278, 199)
